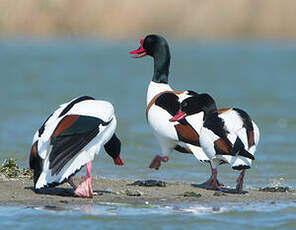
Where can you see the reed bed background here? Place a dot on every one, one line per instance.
(118, 19)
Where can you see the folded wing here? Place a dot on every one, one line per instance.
(71, 135)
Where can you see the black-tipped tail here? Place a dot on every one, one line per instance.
(240, 167)
(246, 154)
(239, 148)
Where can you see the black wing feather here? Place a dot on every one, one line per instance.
(69, 142)
(215, 124)
(77, 100)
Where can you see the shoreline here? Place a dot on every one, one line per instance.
(19, 191)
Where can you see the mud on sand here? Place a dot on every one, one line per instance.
(19, 191)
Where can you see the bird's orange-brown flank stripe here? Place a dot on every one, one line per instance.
(156, 96)
(187, 132)
(222, 146)
(223, 110)
(65, 124)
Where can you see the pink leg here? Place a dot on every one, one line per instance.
(240, 181)
(156, 162)
(213, 182)
(84, 189)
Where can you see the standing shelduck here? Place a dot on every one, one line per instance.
(69, 139)
(163, 103)
(226, 135)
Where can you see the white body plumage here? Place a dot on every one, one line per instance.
(102, 110)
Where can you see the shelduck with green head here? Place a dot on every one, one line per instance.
(163, 103)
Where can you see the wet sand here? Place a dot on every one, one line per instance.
(19, 191)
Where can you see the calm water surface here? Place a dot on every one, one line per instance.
(110, 216)
(259, 77)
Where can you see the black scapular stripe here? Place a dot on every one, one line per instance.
(77, 100)
(239, 148)
(169, 102)
(69, 142)
(247, 121)
(216, 125)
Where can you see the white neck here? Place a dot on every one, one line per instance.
(156, 88)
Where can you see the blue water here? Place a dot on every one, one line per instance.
(111, 216)
(258, 76)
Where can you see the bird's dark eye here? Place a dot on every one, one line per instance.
(184, 104)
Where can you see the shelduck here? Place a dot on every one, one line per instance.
(226, 135)
(69, 139)
(163, 103)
